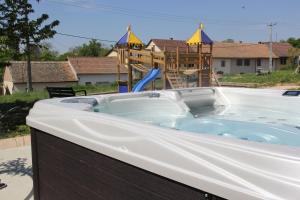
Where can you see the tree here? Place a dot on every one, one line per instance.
(229, 40)
(5, 52)
(64, 56)
(5, 55)
(20, 30)
(294, 42)
(93, 48)
(45, 52)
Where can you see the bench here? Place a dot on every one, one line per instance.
(63, 92)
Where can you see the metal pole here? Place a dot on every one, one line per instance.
(271, 47)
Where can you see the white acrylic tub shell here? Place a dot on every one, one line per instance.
(230, 168)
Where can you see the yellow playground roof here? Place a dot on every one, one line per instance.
(199, 37)
(129, 39)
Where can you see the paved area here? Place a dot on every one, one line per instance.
(284, 87)
(16, 172)
(15, 142)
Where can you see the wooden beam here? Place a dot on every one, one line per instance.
(165, 70)
(177, 59)
(210, 65)
(152, 65)
(118, 65)
(129, 67)
(198, 65)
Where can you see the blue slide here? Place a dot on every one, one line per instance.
(150, 76)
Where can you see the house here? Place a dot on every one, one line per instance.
(96, 70)
(159, 45)
(229, 58)
(235, 58)
(281, 49)
(112, 53)
(43, 74)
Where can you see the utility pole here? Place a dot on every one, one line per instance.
(270, 46)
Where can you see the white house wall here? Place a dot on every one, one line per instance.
(112, 54)
(98, 78)
(149, 47)
(217, 65)
(232, 68)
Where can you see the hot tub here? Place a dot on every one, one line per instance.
(200, 143)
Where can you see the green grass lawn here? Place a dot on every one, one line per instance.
(37, 95)
(14, 108)
(97, 89)
(23, 97)
(277, 77)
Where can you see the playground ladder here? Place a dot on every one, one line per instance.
(215, 80)
(175, 79)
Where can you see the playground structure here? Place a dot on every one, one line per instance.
(175, 67)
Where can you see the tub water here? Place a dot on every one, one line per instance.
(252, 123)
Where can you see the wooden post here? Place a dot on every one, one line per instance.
(129, 67)
(165, 70)
(201, 65)
(177, 59)
(187, 65)
(152, 65)
(198, 65)
(210, 65)
(118, 66)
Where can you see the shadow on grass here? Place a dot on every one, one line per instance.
(19, 167)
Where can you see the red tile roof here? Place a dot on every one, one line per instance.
(42, 72)
(281, 49)
(95, 65)
(240, 50)
(169, 45)
(220, 49)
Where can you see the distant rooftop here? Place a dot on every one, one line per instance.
(42, 72)
(225, 50)
(281, 49)
(95, 65)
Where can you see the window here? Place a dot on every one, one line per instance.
(247, 62)
(258, 62)
(239, 62)
(88, 83)
(283, 61)
(223, 63)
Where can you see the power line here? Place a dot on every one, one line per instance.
(151, 14)
(85, 37)
(115, 11)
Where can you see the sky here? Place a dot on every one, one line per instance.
(241, 20)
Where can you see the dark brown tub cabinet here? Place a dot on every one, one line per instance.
(65, 171)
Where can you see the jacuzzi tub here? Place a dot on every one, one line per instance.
(204, 143)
